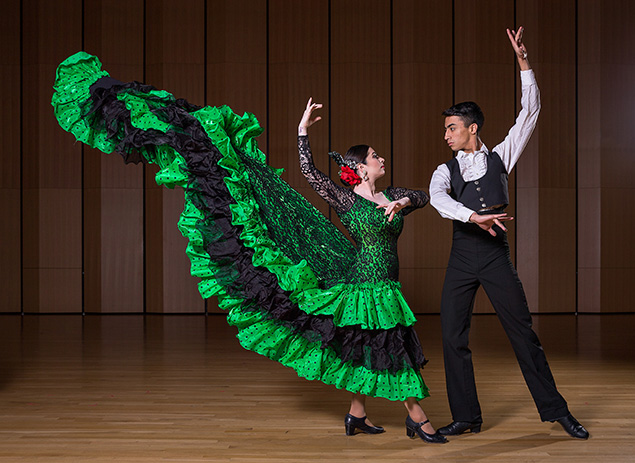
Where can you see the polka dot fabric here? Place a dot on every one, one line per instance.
(351, 330)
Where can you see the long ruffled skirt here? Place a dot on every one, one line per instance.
(277, 280)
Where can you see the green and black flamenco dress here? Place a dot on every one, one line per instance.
(297, 290)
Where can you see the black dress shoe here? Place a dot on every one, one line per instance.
(412, 428)
(459, 427)
(352, 423)
(573, 428)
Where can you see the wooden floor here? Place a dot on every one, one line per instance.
(181, 389)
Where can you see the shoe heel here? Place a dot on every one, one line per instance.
(350, 429)
(410, 433)
(476, 429)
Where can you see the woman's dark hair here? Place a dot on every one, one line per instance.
(355, 155)
(469, 112)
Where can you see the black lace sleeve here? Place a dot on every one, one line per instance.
(338, 197)
(418, 198)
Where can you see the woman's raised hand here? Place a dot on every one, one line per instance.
(307, 118)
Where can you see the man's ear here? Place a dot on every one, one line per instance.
(473, 128)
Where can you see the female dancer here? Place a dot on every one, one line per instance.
(279, 267)
(375, 221)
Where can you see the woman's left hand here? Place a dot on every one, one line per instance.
(393, 207)
(308, 119)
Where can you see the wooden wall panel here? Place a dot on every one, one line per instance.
(360, 76)
(617, 155)
(618, 270)
(237, 57)
(557, 218)
(589, 157)
(606, 201)
(113, 191)
(298, 69)
(175, 57)
(10, 172)
(422, 89)
(485, 70)
(52, 167)
(547, 169)
(237, 64)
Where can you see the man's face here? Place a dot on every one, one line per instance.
(457, 135)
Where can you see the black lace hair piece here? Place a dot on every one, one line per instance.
(339, 159)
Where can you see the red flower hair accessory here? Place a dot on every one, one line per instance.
(349, 176)
(347, 169)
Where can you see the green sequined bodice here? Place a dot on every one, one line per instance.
(376, 241)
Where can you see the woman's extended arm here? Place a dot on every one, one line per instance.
(336, 196)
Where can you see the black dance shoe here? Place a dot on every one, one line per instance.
(352, 423)
(573, 428)
(413, 428)
(459, 427)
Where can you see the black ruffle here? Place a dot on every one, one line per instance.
(392, 349)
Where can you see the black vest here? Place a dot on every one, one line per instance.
(487, 191)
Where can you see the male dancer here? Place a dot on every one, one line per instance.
(471, 189)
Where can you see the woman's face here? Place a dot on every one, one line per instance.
(374, 166)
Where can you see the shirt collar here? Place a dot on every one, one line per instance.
(462, 154)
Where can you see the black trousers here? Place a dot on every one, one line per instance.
(477, 258)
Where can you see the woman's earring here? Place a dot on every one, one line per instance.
(365, 176)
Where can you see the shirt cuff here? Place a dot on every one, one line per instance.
(527, 77)
(464, 214)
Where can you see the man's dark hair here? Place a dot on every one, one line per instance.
(469, 112)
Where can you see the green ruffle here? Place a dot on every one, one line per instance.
(211, 274)
(371, 305)
(73, 79)
(229, 133)
(140, 115)
(309, 360)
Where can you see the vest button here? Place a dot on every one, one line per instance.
(476, 182)
(478, 188)
(481, 199)
(484, 205)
